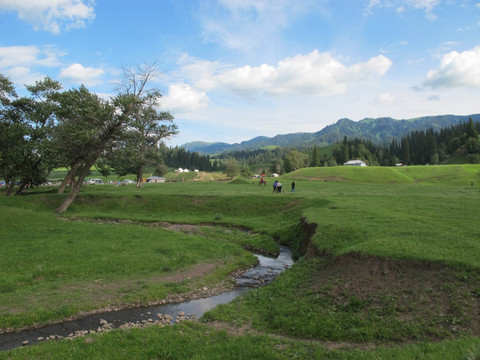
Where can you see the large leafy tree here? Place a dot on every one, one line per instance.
(232, 167)
(276, 166)
(87, 127)
(38, 111)
(26, 127)
(147, 125)
(11, 134)
(295, 160)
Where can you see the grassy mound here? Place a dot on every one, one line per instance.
(458, 175)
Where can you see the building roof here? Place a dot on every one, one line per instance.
(355, 162)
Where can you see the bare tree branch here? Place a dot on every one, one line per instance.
(136, 78)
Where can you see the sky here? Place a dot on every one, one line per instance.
(231, 70)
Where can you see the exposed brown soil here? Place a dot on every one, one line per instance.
(105, 290)
(443, 298)
(183, 228)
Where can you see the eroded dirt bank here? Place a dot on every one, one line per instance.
(445, 299)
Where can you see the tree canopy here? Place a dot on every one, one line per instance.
(138, 146)
(75, 128)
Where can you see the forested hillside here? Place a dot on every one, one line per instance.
(456, 143)
(380, 130)
(417, 148)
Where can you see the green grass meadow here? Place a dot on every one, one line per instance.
(110, 250)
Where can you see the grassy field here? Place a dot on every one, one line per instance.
(394, 272)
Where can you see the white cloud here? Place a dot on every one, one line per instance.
(428, 5)
(11, 56)
(18, 61)
(401, 6)
(456, 70)
(183, 98)
(313, 74)
(22, 75)
(79, 74)
(52, 15)
(385, 99)
(198, 70)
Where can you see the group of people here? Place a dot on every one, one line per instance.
(277, 186)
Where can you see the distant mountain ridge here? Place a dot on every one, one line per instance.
(379, 130)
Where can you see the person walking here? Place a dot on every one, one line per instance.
(293, 186)
(275, 186)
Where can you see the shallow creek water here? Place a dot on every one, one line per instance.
(260, 275)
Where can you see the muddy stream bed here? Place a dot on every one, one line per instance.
(267, 270)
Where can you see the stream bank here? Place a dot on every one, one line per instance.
(156, 315)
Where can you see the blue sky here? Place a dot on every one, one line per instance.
(236, 69)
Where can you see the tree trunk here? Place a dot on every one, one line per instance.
(75, 189)
(9, 186)
(65, 182)
(70, 176)
(23, 184)
(139, 184)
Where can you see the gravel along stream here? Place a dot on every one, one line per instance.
(160, 315)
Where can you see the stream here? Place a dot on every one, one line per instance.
(265, 272)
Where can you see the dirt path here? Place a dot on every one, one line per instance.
(329, 345)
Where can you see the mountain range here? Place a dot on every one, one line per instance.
(379, 130)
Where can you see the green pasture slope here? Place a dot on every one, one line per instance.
(392, 270)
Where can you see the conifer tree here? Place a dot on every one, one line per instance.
(315, 157)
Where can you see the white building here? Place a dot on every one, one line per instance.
(355, 163)
(155, 179)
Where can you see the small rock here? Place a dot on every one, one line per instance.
(181, 313)
(25, 343)
(40, 338)
(205, 288)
